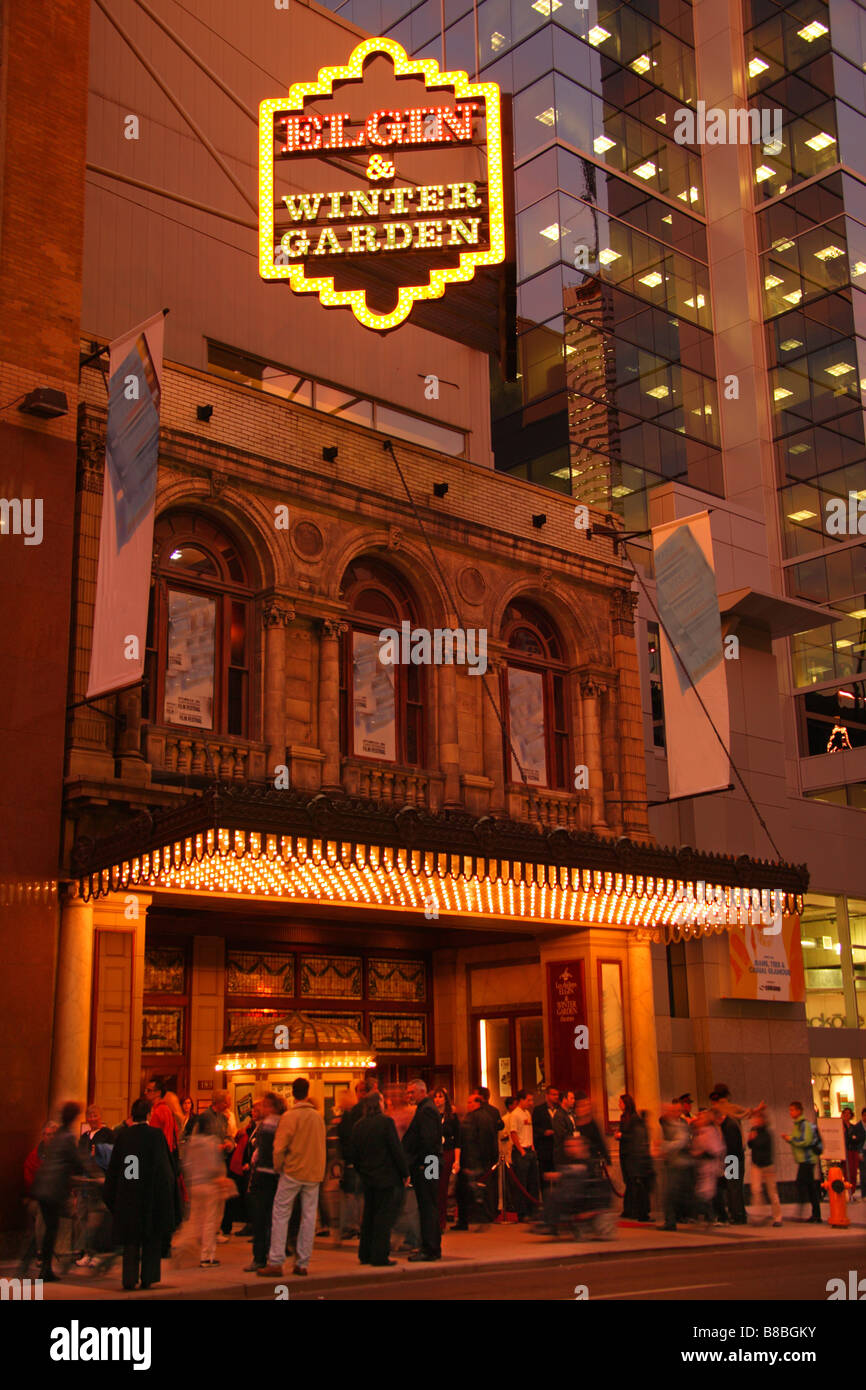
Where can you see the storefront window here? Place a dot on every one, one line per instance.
(857, 928)
(825, 1000)
(832, 1085)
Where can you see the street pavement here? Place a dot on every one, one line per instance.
(490, 1259)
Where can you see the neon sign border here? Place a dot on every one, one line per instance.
(428, 68)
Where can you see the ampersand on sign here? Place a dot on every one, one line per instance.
(380, 168)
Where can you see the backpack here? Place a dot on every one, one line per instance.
(817, 1145)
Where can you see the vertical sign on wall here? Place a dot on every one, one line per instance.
(692, 660)
(126, 534)
(568, 1065)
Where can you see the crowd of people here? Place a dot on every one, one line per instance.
(391, 1170)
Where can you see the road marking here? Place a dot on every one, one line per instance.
(672, 1288)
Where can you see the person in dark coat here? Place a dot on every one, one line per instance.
(730, 1203)
(479, 1151)
(547, 1119)
(140, 1197)
(635, 1161)
(52, 1183)
(422, 1144)
(379, 1160)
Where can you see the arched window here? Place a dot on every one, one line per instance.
(199, 632)
(381, 704)
(534, 698)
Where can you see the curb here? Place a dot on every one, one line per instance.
(442, 1269)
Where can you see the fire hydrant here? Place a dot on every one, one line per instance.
(837, 1190)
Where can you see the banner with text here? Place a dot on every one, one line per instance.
(126, 538)
(692, 659)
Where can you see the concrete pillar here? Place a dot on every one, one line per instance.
(591, 691)
(276, 617)
(329, 702)
(72, 1002)
(643, 1059)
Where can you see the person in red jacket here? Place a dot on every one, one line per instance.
(162, 1117)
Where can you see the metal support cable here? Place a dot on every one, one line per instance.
(178, 106)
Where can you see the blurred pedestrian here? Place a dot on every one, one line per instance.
(763, 1171)
(300, 1154)
(479, 1152)
(491, 1189)
(803, 1141)
(635, 1161)
(450, 1122)
(350, 1184)
(35, 1224)
(422, 1143)
(859, 1133)
(206, 1182)
(677, 1164)
(523, 1158)
(139, 1191)
(217, 1122)
(162, 1116)
(708, 1148)
(380, 1160)
(852, 1149)
(52, 1183)
(263, 1177)
(730, 1202)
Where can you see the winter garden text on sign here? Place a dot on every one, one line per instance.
(474, 234)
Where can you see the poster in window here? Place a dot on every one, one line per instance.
(189, 668)
(374, 710)
(526, 720)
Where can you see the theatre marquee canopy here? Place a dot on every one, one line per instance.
(248, 843)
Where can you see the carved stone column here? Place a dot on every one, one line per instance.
(591, 691)
(492, 727)
(329, 701)
(449, 748)
(629, 715)
(276, 617)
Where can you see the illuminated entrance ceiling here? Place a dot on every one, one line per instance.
(448, 866)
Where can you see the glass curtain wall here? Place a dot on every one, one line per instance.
(807, 59)
(616, 389)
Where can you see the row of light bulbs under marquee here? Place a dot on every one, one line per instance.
(246, 864)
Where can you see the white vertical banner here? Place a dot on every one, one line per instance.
(691, 646)
(126, 536)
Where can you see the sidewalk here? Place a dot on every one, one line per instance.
(500, 1247)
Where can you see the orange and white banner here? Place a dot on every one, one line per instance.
(126, 538)
(692, 659)
(766, 964)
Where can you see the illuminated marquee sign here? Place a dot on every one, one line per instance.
(384, 235)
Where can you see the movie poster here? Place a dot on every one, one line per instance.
(374, 708)
(189, 672)
(526, 726)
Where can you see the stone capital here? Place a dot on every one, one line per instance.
(333, 629)
(275, 614)
(623, 603)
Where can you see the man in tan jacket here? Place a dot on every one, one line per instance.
(299, 1158)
